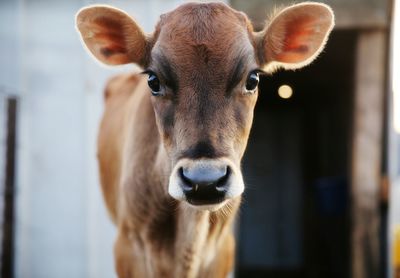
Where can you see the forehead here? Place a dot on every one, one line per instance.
(209, 34)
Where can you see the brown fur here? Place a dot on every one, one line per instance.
(202, 54)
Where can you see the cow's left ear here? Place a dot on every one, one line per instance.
(295, 36)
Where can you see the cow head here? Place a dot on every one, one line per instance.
(203, 63)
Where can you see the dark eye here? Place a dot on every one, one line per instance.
(252, 82)
(154, 84)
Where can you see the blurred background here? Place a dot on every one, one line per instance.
(322, 166)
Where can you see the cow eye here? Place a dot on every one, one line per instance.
(154, 84)
(252, 82)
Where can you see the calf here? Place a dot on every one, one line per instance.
(172, 138)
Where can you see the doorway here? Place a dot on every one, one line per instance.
(294, 220)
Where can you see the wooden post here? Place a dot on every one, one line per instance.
(367, 150)
(7, 243)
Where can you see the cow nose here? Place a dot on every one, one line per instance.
(205, 184)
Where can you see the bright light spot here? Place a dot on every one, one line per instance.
(285, 91)
(396, 67)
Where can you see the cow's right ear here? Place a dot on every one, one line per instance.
(295, 36)
(111, 35)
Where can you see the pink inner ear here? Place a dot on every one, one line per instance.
(110, 44)
(299, 39)
(108, 40)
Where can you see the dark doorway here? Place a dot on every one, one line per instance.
(294, 218)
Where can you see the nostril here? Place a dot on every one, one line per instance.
(222, 182)
(187, 183)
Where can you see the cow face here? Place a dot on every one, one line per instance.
(203, 64)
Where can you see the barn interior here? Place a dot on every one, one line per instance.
(295, 216)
